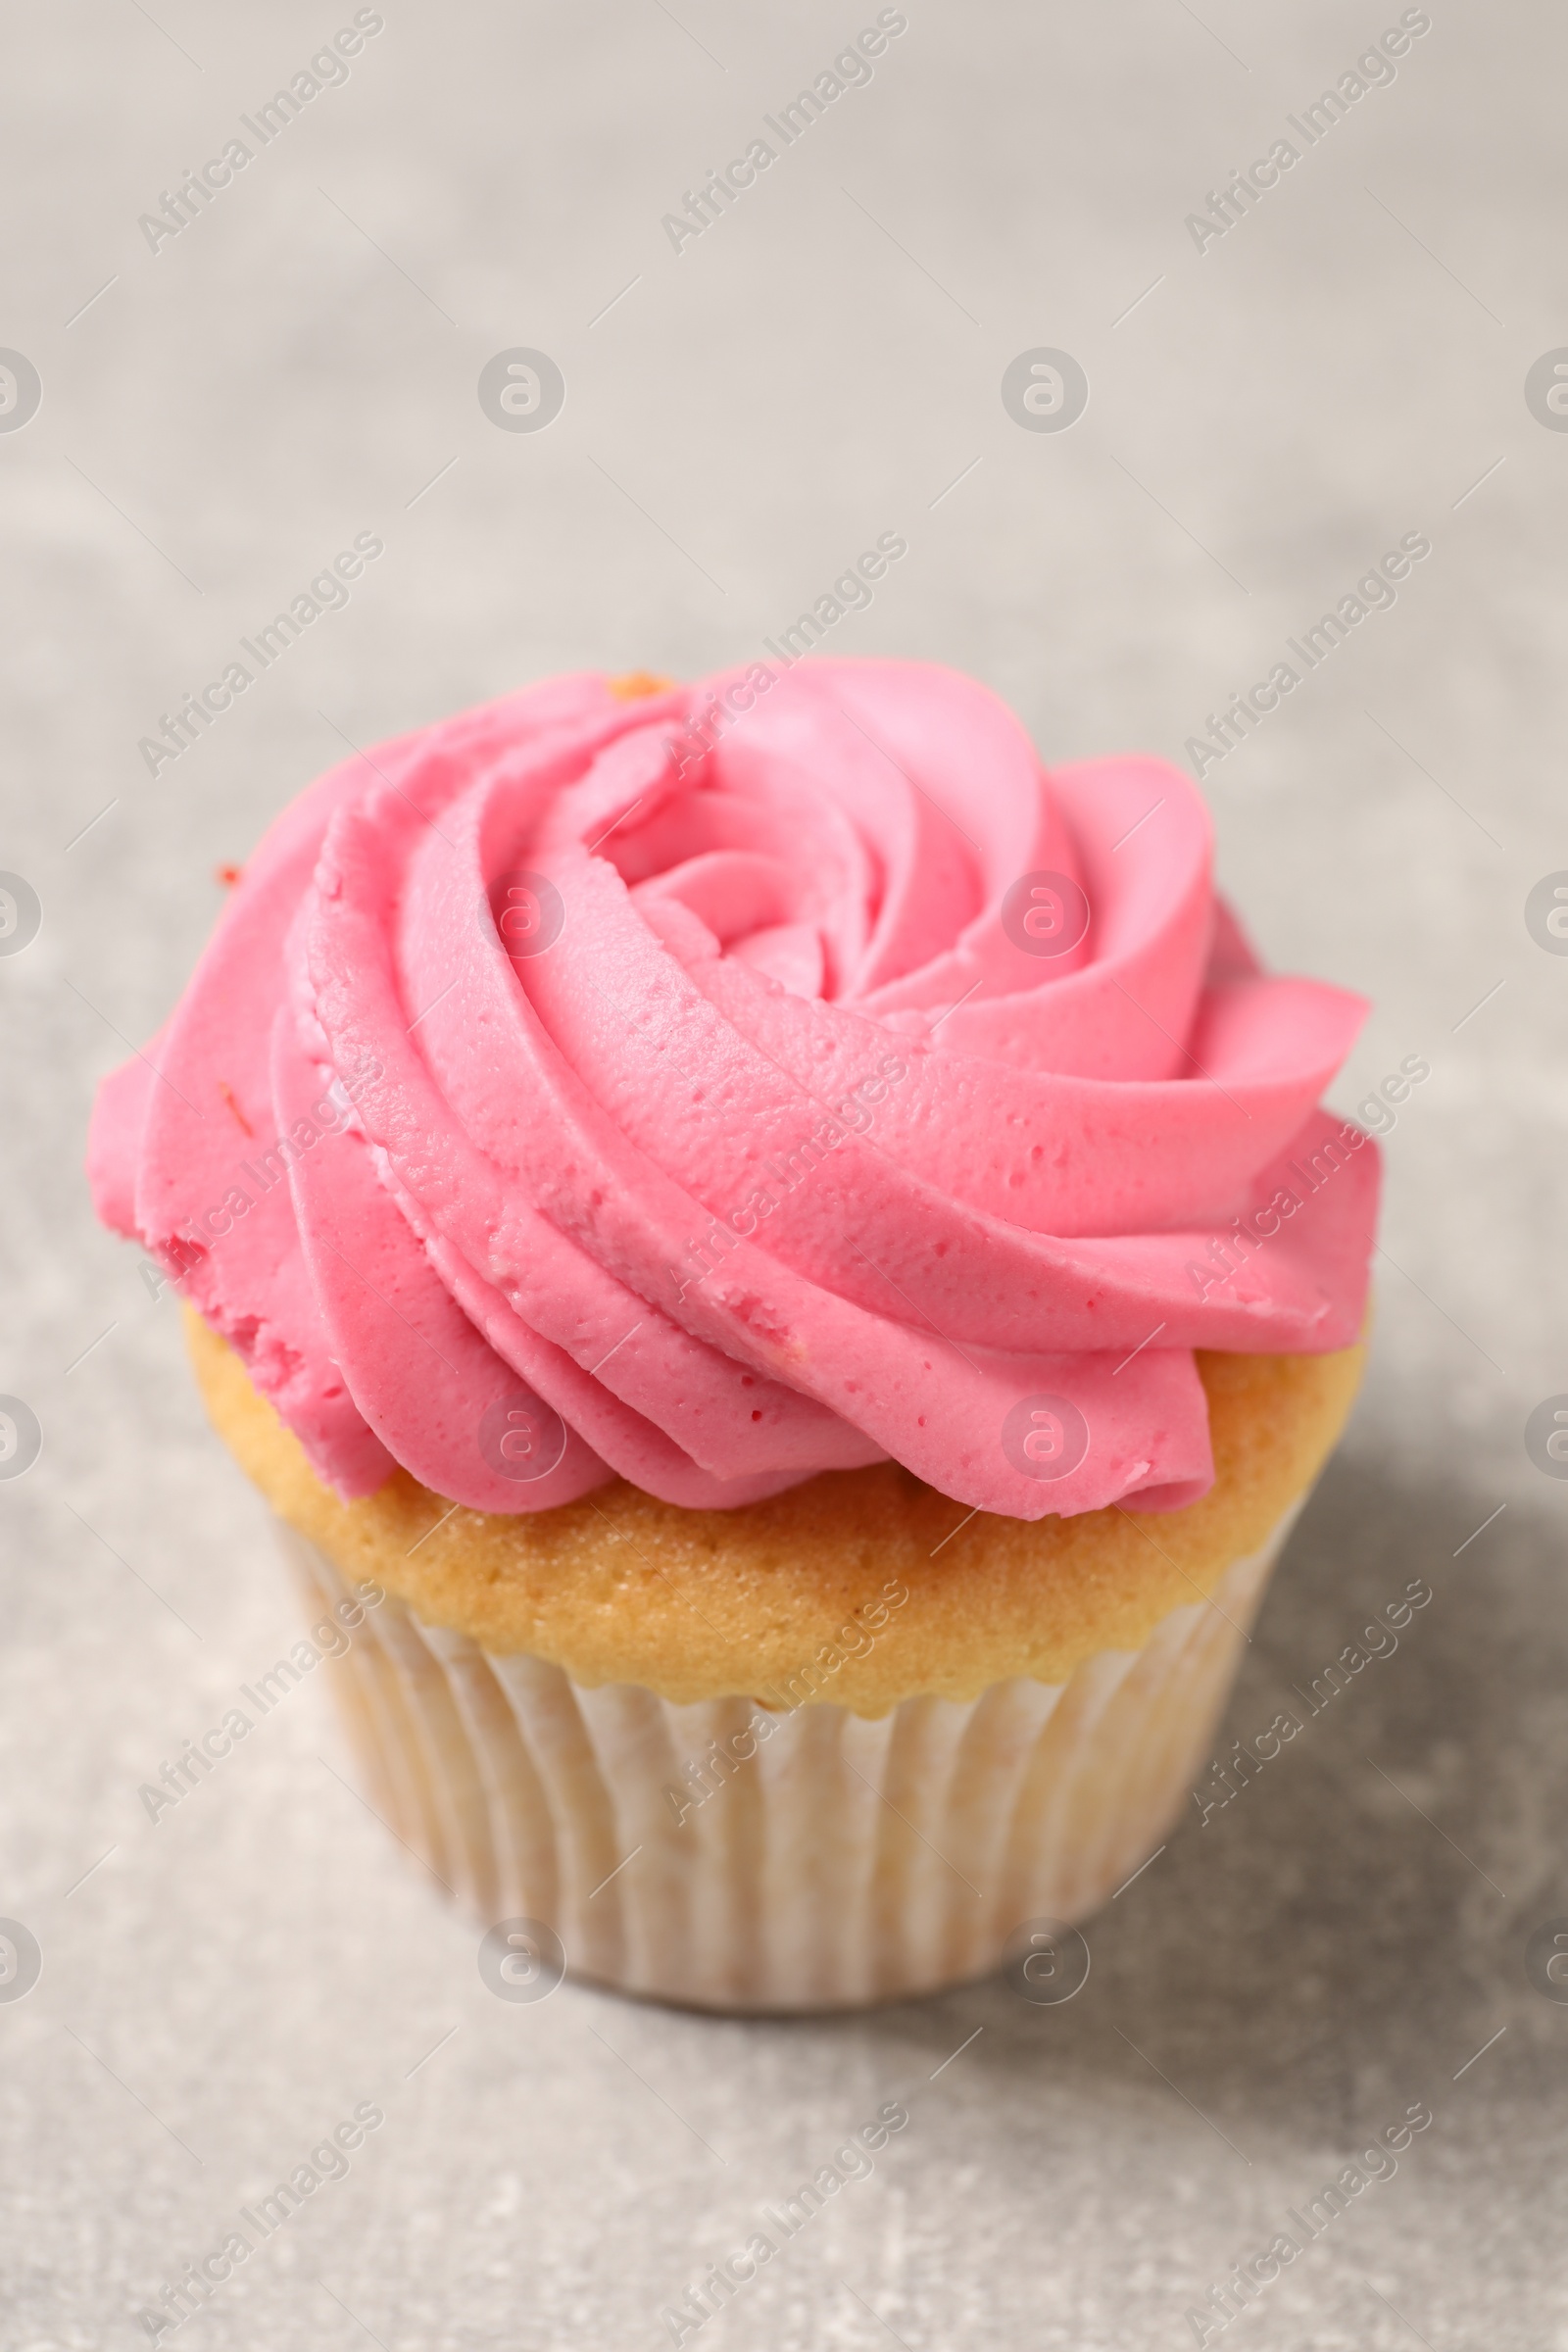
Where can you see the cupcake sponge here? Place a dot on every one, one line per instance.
(862, 1587)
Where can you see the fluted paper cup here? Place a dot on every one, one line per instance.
(735, 1855)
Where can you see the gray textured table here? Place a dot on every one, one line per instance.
(1271, 409)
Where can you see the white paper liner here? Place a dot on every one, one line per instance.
(849, 1860)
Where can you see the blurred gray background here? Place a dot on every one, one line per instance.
(1268, 416)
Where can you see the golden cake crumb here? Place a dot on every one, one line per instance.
(619, 1587)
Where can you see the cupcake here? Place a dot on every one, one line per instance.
(784, 1270)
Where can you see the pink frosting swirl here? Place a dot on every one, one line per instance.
(723, 1084)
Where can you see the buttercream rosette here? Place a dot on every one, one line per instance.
(716, 1084)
